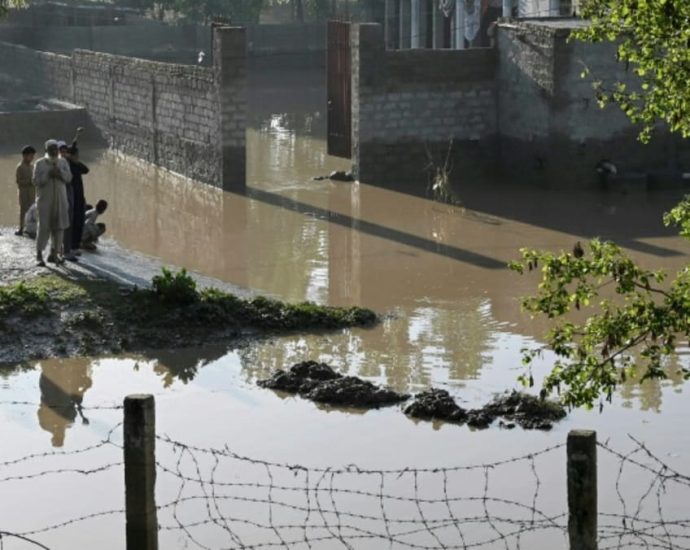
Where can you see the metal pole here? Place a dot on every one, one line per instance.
(459, 24)
(415, 26)
(507, 8)
(140, 472)
(582, 489)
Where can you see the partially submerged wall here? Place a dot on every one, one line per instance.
(20, 128)
(409, 105)
(521, 108)
(550, 122)
(169, 115)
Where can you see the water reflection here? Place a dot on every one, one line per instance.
(439, 269)
(408, 352)
(648, 395)
(62, 386)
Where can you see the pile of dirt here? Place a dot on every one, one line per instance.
(435, 404)
(320, 383)
(527, 411)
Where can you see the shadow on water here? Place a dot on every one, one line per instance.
(375, 229)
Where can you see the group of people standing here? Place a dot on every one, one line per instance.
(52, 204)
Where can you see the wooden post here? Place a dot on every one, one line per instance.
(582, 489)
(140, 472)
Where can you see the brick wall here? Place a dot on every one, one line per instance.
(167, 114)
(551, 126)
(409, 105)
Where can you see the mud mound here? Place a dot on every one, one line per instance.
(529, 412)
(320, 383)
(436, 404)
(354, 392)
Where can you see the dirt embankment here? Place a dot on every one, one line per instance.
(51, 315)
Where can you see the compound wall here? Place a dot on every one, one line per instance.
(411, 107)
(179, 117)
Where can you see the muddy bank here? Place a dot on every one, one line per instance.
(514, 408)
(51, 315)
(320, 383)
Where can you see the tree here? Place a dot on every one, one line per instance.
(614, 320)
(7, 5)
(204, 11)
(653, 39)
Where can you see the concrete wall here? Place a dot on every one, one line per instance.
(34, 127)
(156, 41)
(407, 105)
(182, 118)
(521, 109)
(550, 123)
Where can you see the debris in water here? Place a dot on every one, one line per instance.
(338, 175)
(320, 383)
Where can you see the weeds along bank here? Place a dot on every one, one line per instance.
(54, 316)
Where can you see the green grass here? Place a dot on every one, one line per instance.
(172, 302)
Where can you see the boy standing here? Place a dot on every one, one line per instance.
(25, 186)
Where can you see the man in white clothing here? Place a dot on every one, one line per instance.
(51, 175)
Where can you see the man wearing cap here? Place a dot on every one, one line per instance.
(25, 188)
(51, 175)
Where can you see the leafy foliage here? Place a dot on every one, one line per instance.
(213, 306)
(237, 11)
(633, 317)
(653, 39)
(6, 5)
(175, 288)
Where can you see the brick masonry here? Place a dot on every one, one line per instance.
(190, 120)
(520, 108)
(409, 105)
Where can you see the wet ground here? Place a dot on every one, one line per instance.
(438, 270)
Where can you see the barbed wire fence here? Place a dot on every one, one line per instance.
(213, 498)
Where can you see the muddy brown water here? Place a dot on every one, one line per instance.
(438, 271)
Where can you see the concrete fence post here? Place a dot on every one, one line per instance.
(140, 472)
(582, 489)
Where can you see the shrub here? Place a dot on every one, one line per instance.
(175, 288)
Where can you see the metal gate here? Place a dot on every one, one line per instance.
(339, 90)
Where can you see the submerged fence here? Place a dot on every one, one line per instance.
(216, 498)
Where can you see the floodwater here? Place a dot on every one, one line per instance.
(453, 321)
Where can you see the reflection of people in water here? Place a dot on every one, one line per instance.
(62, 385)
